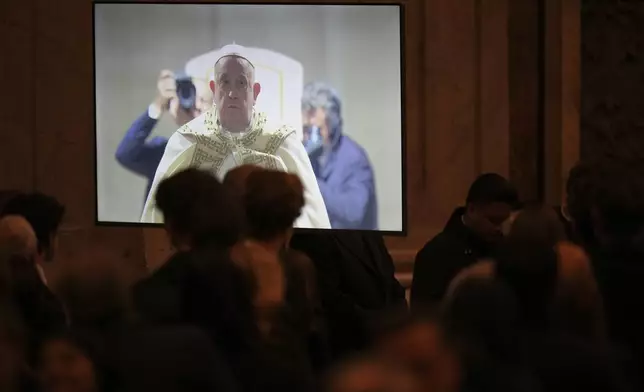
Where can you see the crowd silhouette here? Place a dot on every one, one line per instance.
(511, 296)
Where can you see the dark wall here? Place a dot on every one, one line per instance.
(458, 116)
(612, 71)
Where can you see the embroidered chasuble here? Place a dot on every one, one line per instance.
(203, 144)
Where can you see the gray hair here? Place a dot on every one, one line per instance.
(319, 95)
(249, 68)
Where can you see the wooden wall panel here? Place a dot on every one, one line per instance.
(469, 105)
(63, 129)
(612, 119)
(493, 102)
(17, 103)
(523, 52)
(562, 94)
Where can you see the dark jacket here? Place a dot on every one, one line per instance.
(157, 298)
(620, 273)
(442, 258)
(165, 359)
(38, 308)
(138, 154)
(303, 313)
(356, 283)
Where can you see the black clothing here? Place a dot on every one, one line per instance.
(165, 359)
(443, 257)
(356, 283)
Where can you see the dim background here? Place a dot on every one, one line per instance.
(356, 49)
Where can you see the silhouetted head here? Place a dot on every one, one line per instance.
(44, 214)
(71, 361)
(419, 344)
(17, 237)
(490, 200)
(531, 271)
(236, 178)
(618, 205)
(371, 375)
(198, 210)
(537, 224)
(272, 200)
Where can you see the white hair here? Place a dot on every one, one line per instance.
(249, 68)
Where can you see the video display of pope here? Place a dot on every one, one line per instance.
(232, 133)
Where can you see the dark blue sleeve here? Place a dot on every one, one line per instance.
(347, 201)
(137, 154)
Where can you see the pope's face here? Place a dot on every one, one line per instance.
(235, 93)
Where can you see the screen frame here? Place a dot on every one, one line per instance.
(403, 114)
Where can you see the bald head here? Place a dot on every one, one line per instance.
(17, 237)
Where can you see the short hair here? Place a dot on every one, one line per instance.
(492, 188)
(6, 196)
(236, 178)
(44, 213)
(250, 68)
(17, 237)
(538, 224)
(273, 200)
(318, 95)
(619, 199)
(196, 204)
(531, 271)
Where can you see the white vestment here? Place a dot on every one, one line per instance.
(203, 144)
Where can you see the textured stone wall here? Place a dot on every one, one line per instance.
(612, 100)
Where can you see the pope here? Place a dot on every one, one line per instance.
(232, 133)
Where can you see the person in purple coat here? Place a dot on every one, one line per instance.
(341, 165)
(141, 154)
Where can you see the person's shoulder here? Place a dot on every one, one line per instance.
(438, 241)
(279, 131)
(276, 136)
(298, 260)
(197, 126)
(439, 244)
(347, 142)
(353, 148)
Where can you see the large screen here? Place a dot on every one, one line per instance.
(315, 90)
